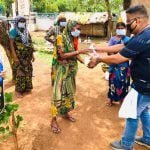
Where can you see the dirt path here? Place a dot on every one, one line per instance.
(97, 124)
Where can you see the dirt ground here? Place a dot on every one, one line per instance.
(97, 124)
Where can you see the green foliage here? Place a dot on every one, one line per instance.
(6, 124)
(6, 5)
(8, 97)
(75, 5)
(18, 120)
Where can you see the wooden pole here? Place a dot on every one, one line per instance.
(110, 24)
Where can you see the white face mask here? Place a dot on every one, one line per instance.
(63, 24)
(121, 31)
(75, 33)
(21, 25)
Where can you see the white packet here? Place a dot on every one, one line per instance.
(87, 60)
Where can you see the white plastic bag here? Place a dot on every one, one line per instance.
(129, 106)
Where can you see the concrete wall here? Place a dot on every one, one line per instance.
(44, 23)
(45, 20)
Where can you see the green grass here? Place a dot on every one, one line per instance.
(40, 44)
(45, 57)
(41, 48)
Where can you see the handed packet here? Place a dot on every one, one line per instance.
(87, 60)
(93, 49)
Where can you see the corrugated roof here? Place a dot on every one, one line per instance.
(86, 17)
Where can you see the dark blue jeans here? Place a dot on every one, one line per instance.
(143, 113)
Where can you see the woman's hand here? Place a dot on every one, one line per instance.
(80, 59)
(33, 58)
(84, 51)
(16, 61)
(3, 74)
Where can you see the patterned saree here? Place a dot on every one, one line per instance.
(63, 74)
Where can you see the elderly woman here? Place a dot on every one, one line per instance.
(22, 50)
(64, 70)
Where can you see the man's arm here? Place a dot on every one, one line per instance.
(110, 49)
(112, 59)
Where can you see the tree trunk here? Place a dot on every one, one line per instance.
(110, 23)
(16, 4)
(126, 4)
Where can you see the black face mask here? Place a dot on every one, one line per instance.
(129, 26)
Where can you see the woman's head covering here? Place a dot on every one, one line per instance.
(23, 34)
(68, 39)
(17, 19)
(69, 27)
(60, 18)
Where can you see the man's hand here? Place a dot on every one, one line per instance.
(93, 61)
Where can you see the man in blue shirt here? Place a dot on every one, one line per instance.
(138, 51)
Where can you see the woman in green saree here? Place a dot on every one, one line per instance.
(64, 70)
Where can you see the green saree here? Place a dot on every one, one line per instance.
(63, 75)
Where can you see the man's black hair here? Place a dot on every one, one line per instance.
(138, 9)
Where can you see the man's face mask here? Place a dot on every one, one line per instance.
(21, 25)
(130, 29)
(63, 24)
(121, 32)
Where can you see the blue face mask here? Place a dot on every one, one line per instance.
(121, 32)
(63, 24)
(75, 33)
(21, 25)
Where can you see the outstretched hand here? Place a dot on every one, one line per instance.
(93, 61)
(84, 51)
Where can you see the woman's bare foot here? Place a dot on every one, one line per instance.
(28, 91)
(19, 94)
(109, 103)
(69, 117)
(54, 126)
